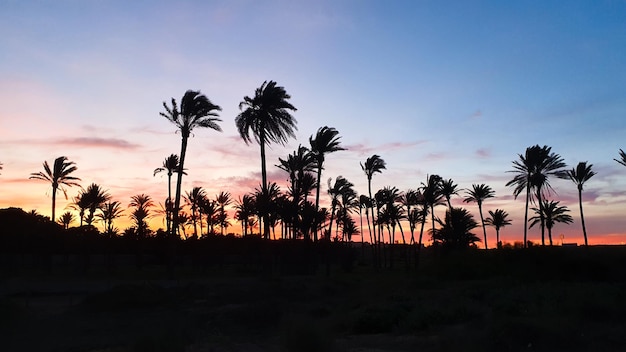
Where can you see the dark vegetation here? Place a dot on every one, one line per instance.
(81, 291)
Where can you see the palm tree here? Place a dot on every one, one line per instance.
(109, 212)
(326, 141)
(373, 164)
(455, 231)
(581, 174)
(532, 171)
(80, 203)
(431, 193)
(66, 219)
(498, 219)
(342, 195)
(196, 111)
(622, 156)
(94, 196)
(193, 199)
(142, 204)
(171, 164)
(478, 194)
(267, 116)
(265, 199)
(223, 199)
(58, 176)
(245, 209)
(448, 188)
(551, 213)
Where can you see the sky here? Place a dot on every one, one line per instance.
(455, 88)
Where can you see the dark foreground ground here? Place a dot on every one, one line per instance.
(517, 300)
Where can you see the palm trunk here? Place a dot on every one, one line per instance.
(54, 202)
(542, 218)
(266, 223)
(582, 217)
(179, 182)
(526, 215)
(317, 196)
(168, 210)
(480, 211)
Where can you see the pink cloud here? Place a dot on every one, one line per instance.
(95, 142)
(362, 149)
(483, 153)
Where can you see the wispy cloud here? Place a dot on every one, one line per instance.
(95, 142)
(364, 149)
(483, 153)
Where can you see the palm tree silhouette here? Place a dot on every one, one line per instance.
(94, 196)
(267, 116)
(551, 213)
(142, 204)
(265, 199)
(579, 175)
(196, 111)
(58, 176)
(193, 199)
(455, 230)
(244, 210)
(448, 188)
(326, 141)
(622, 156)
(478, 194)
(532, 171)
(431, 193)
(66, 219)
(171, 164)
(498, 219)
(109, 212)
(373, 164)
(80, 203)
(223, 199)
(342, 190)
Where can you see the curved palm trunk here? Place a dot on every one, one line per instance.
(582, 217)
(432, 216)
(482, 221)
(179, 182)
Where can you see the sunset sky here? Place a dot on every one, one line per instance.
(455, 88)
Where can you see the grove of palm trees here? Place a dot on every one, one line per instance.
(316, 265)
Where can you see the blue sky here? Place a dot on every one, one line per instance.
(453, 88)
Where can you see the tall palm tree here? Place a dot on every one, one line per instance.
(196, 111)
(622, 156)
(579, 175)
(58, 176)
(448, 188)
(532, 171)
(478, 194)
(498, 219)
(326, 141)
(268, 116)
(431, 193)
(171, 164)
(142, 204)
(552, 213)
(374, 164)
